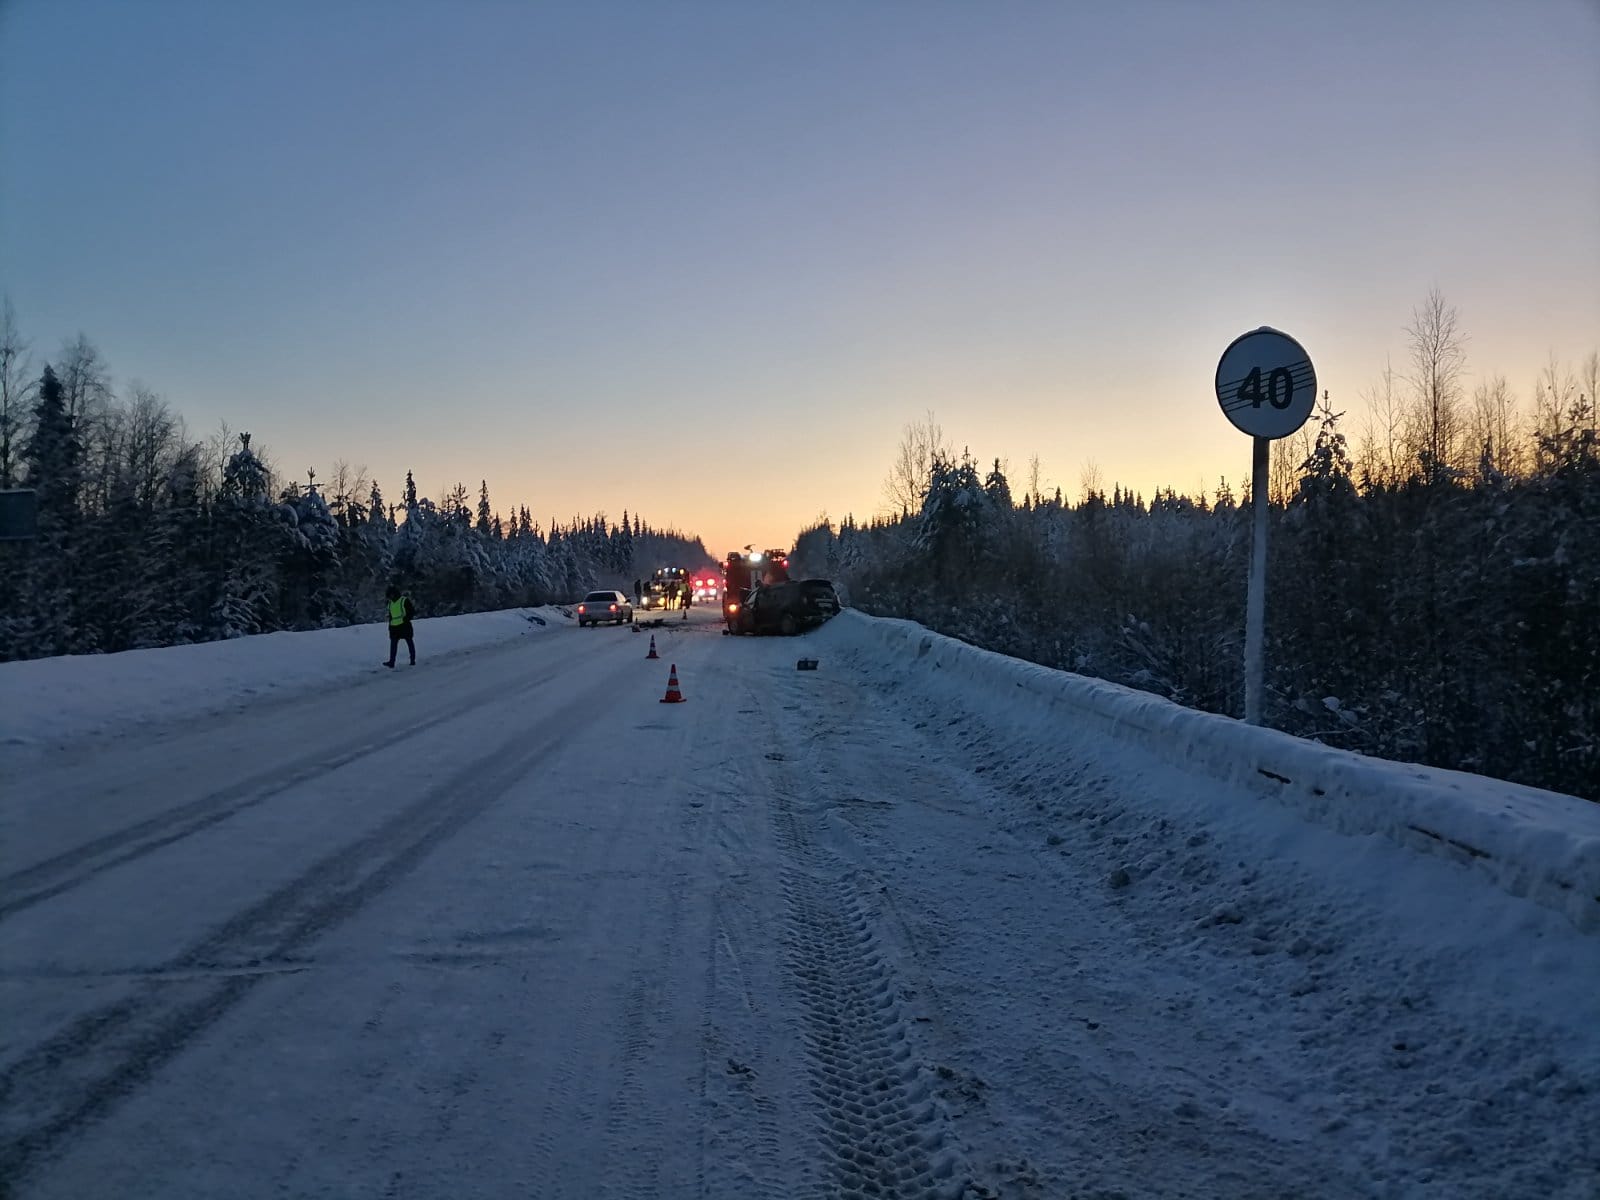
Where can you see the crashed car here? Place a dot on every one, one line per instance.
(786, 608)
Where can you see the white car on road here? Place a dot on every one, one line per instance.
(605, 606)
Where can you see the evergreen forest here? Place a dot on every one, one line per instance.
(1433, 588)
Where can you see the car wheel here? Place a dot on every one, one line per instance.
(788, 626)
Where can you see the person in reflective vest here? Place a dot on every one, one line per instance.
(401, 611)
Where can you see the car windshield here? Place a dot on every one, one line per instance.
(606, 596)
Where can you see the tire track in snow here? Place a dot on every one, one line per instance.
(754, 1148)
(73, 1078)
(634, 1121)
(70, 869)
(617, 1098)
(636, 1162)
(882, 1132)
(561, 1089)
(572, 1086)
(754, 1105)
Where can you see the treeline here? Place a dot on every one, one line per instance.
(1434, 597)
(148, 538)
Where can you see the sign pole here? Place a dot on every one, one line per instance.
(1267, 387)
(1255, 621)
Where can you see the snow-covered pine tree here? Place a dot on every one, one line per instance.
(52, 460)
(249, 535)
(169, 590)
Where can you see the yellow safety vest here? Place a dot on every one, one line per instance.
(397, 611)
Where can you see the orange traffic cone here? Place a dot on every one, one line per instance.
(673, 696)
(652, 653)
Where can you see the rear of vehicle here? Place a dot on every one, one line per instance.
(818, 600)
(786, 608)
(609, 607)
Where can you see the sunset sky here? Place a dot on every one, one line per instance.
(703, 261)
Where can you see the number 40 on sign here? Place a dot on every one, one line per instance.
(1267, 387)
(1266, 384)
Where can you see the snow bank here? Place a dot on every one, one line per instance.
(57, 699)
(1541, 845)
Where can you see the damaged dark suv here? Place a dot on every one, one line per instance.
(787, 608)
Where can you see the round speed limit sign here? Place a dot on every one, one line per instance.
(1266, 383)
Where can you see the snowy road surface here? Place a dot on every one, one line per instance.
(505, 925)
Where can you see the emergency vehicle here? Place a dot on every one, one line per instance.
(664, 589)
(743, 572)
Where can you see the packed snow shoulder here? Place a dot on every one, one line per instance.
(1540, 845)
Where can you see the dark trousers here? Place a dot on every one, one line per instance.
(398, 634)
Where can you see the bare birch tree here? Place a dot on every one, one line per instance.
(1438, 360)
(1287, 454)
(1382, 438)
(16, 394)
(1496, 435)
(1589, 385)
(86, 388)
(920, 443)
(1091, 481)
(151, 441)
(85, 379)
(1554, 393)
(213, 456)
(349, 486)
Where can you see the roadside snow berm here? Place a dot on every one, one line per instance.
(673, 696)
(652, 653)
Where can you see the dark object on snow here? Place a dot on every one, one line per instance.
(806, 664)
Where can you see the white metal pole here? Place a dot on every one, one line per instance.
(1255, 621)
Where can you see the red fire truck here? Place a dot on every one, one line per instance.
(742, 572)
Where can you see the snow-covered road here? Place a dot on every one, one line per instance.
(505, 925)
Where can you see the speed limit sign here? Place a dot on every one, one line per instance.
(1267, 387)
(1266, 383)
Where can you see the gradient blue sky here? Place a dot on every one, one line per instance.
(704, 260)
